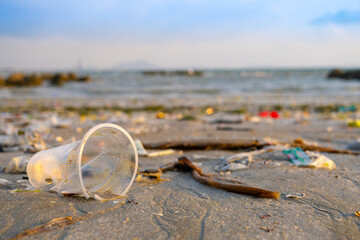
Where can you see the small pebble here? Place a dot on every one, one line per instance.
(205, 196)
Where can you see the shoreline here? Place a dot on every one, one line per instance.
(182, 207)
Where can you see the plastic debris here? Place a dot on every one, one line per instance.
(9, 143)
(354, 123)
(209, 111)
(239, 161)
(59, 123)
(351, 108)
(102, 165)
(24, 183)
(231, 167)
(266, 114)
(297, 156)
(357, 213)
(161, 153)
(321, 161)
(160, 115)
(5, 183)
(32, 142)
(17, 165)
(295, 195)
(309, 159)
(144, 153)
(140, 148)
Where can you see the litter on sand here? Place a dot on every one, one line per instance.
(297, 156)
(59, 123)
(320, 161)
(17, 165)
(96, 166)
(140, 148)
(144, 153)
(309, 159)
(5, 183)
(241, 160)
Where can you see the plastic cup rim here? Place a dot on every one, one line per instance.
(83, 143)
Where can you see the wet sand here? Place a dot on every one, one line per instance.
(185, 209)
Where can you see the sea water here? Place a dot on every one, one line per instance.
(266, 84)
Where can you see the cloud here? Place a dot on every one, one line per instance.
(342, 17)
(241, 51)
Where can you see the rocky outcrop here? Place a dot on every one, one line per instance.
(59, 79)
(84, 79)
(2, 82)
(72, 76)
(19, 79)
(350, 74)
(33, 80)
(15, 80)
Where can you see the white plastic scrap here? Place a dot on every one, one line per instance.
(33, 142)
(161, 153)
(17, 165)
(230, 167)
(140, 148)
(143, 153)
(320, 161)
(5, 183)
(59, 123)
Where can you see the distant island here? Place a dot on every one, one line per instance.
(342, 74)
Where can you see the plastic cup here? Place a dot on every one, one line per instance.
(102, 165)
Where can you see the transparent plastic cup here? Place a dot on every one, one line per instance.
(102, 165)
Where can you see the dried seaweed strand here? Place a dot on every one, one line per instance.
(205, 145)
(231, 187)
(227, 144)
(236, 188)
(59, 223)
(307, 147)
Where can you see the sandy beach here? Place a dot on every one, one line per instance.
(162, 120)
(181, 207)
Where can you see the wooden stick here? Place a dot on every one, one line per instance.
(231, 144)
(205, 145)
(236, 188)
(306, 147)
(231, 187)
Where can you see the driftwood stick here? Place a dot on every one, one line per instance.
(314, 148)
(231, 187)
(236, 188)
(205, 145)
(231, 144)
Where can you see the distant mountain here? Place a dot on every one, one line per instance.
(136, 65)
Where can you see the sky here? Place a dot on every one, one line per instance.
(107, 34)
